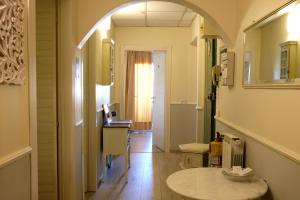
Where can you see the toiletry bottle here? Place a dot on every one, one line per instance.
(216, 151)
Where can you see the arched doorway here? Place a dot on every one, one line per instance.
(91, 95)
(80, 20)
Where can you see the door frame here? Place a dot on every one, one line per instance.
(209, 108)
(31, 56)
(123, 61)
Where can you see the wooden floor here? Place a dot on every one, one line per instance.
(142, 142)
(146, 178)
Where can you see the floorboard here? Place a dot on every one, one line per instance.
(146, 178)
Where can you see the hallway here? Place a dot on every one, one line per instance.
(146, 177)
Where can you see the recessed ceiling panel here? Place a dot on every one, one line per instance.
(164, 6)
(185, 23)
(132, 15)
(129, 23)
(162, 23)
(164, 15)
(189, 16)
(137, 7)
(157, 13)
(130, 19)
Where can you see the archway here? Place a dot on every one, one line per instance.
(218, 13)
(88, 22)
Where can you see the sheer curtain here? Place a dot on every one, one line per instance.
(139, 89)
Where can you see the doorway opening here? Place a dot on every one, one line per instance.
(145, 98)
(165, 31)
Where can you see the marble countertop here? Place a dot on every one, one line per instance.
(210, 183)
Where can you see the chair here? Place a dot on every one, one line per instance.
(193, 155)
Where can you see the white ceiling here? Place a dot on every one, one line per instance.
(154, 14)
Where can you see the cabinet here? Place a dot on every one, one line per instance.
(108, 62)
(288, 60)
(116, 142)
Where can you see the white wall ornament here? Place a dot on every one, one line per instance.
(12, 41)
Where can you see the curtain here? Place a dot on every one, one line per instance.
(139, 89)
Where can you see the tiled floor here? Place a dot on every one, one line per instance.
(146, 178)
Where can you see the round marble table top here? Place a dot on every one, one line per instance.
(210, 183)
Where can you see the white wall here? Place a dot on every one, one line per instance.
(182, 69)
(269, 116)
(281, 173)
(183, 57)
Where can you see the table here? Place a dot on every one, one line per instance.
(210, 183)
(115, 142)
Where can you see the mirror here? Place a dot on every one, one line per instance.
(271, 49)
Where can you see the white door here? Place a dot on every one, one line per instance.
(158, 121)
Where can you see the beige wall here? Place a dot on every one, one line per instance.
(18, 158)
(70, 135)
(14, 118)
(269, 115)
(15, 180)
(272, 35)
(94, 96)
(183, 57)
(265, 112)
(253, 47)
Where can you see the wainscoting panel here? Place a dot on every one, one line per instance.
(200, 125)
(183, 124)
(281, 173)
(79, 161)
(15, 180)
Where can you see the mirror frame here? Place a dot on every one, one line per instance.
(271, 84)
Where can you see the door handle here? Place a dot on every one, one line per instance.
(211, 96)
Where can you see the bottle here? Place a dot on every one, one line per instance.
(215, 150)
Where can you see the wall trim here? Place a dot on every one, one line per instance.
(10, 158)
(198, 108)
(33, 149)
(292, 155)
(182, 103)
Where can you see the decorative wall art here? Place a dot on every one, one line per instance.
(11, 41)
